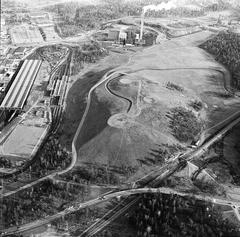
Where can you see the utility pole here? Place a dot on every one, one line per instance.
(1, 205)
(142, 25)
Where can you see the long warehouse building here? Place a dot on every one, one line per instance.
(21, 86)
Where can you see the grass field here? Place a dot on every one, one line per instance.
(127, 139)
(23, 146)
(80, 85)
(76, 103)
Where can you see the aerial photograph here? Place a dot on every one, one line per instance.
(120, 118)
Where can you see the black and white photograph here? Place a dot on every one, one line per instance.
(120, 118)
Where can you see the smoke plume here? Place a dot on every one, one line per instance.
(159, 7)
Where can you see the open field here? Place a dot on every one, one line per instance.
(79, 87)
(35, 126)
(128, 139)
(23, 146)
(25, 34)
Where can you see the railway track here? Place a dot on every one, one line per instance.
(127, 204)
(57, 113)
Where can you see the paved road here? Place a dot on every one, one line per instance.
(164, 171)
(115, 213)
(96, 227)
(105, 78)
(73, 160)
(74, 150)
(199, 151)
(109, 196)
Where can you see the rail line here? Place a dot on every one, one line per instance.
(52, 130)
(158, 179)
(118, 210)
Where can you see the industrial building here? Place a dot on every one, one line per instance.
(117, 33)
(19, 90)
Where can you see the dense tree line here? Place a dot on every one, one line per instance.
(6, 163)
(76, 17)
(179, 12)
(43, 199)
(96, 174)
(171, 215)
(184, 124)
(226, 49)
(52, 54)
(52, 157)
(219, 6)
(88, 53)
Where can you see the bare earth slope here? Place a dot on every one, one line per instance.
(156, 81)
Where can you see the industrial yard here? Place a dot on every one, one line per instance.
(26, 106)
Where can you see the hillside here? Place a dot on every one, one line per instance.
(163, 83)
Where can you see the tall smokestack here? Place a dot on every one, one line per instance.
(163, 5)
(142, 24)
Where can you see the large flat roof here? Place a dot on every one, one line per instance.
(21, 86)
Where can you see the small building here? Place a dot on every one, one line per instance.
(149, 39)
(122, 35)
(113, 35)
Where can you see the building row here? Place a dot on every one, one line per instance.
(130, 34)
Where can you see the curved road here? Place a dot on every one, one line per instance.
(22, 169)
(107, 79)
(109, 196)
(119, 96)
(199, 151)
(164, 174)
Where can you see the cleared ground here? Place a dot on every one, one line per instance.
(25, 34)
(79, 87)
(127, 139)
(31, 127)
(23, 146)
